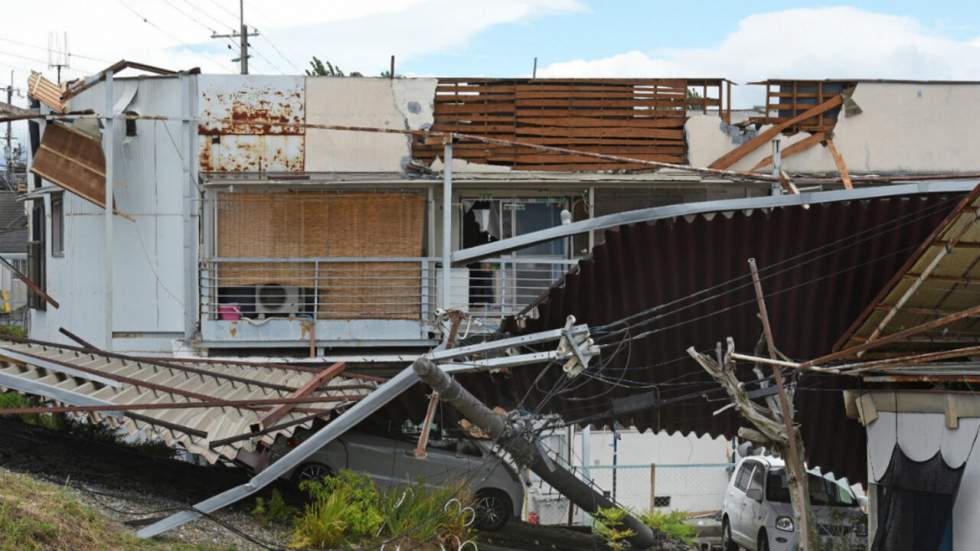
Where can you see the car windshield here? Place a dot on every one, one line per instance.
(822, 491)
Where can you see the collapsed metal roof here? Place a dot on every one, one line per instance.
(81, 377)
(820, 266)
(940, 278)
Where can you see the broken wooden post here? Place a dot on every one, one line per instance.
(795, 467)
(525, 449)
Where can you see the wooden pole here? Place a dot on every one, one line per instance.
(795, 468)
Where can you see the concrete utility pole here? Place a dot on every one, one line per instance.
(8, 150)
(525, 451)
(242, 35)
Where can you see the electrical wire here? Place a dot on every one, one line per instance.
(773, 270)
(168, 34)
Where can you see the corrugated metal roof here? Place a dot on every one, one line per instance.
(79, 377)
(939, 279)
(836, 255)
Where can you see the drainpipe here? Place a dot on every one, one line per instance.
(526, 452)
(108, 146)
(447, 222)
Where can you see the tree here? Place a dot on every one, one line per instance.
(328, 70)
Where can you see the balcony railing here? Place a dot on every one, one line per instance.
(352, 288)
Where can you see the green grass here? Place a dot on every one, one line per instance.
(38, 516)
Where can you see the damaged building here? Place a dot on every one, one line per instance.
(354, 219)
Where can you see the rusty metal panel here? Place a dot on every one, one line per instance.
(251, 123)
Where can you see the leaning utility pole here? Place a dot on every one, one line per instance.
(795, 467)
(242, 35)
(526, 451)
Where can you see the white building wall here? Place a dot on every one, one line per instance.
(914, 127)
(920, 436)
(148, 254)
(692, 471)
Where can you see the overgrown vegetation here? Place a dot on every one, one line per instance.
(671, 523)
(608, 525)
(36, 516)
(13, 330)
(348, 510)
(275, 510)
(48, 421)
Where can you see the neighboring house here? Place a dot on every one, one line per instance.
(13, 248)
(247, 220)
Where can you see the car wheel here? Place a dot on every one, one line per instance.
(763, 544)
(727, 543)
(312, 471)
(493, 509)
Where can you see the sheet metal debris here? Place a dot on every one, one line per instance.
(77, 376)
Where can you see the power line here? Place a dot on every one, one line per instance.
(45, 48)
(166, 33)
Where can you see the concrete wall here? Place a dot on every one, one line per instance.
(148, 254)
(920, 436)
(399, 104)
(924, 128)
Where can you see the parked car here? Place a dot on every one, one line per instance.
(757, 514)
(390, 461)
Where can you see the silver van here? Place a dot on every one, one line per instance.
(757, 514)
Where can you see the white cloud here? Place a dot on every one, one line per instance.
(359, 35)
(834, 42)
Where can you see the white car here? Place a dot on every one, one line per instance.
(390, 461)
(757, 514)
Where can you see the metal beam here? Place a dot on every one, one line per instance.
(58, 367)
(385, 393)
(447, 223)
(687, 209)
(108, 145)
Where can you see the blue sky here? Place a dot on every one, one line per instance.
(611, 27)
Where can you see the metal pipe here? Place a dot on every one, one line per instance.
(108, 145)
(687, 209)
(447, 223)
(527, 452)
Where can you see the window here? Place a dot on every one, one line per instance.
(661, 501)
(57, 224)
(744, 473)
(757, 479)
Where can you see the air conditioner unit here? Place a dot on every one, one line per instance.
(278, 299)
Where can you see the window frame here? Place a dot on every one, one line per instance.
(58, 224)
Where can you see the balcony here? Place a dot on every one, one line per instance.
(359, 301)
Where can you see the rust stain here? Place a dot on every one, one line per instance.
(233, 330)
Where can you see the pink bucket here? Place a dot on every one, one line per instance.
(229, 312)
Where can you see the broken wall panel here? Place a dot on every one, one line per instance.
(72, 160)
(297, 225)
(786, 99)
(638, 118)
(251, 123)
